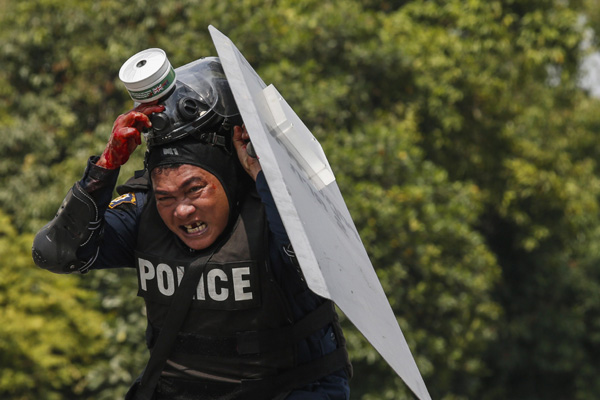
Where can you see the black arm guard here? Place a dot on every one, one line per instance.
(55, 245)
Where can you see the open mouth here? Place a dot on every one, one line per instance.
(194, 228)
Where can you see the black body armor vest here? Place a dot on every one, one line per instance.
(240, 329)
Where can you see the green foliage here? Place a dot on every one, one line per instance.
(49, 333)
(433, 265)
(126, 355)
(462, 144)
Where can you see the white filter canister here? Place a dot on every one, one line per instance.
(148, 75)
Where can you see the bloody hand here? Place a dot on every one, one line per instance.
(126, 135)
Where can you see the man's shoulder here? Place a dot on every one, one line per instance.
(132, 193)
(139, 182)
(124, 200)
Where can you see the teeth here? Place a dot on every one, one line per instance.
(193, 228)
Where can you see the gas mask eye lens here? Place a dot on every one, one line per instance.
(188, 108)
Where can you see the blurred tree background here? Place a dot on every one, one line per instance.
(461, 138)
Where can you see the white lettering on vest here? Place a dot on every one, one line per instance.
(146, 272)
(200, 289)
(239, 284)
(180, 271)
(218, 284)
(165, 279)
(217, 294)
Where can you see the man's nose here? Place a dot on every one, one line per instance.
(184, 210)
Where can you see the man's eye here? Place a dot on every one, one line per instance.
(196, 189)
(164, 199)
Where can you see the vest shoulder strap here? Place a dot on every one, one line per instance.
(139, 182)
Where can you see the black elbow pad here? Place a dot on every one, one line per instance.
(55, 245)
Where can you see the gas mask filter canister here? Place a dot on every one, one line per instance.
(148, 75)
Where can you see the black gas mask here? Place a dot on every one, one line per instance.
(200, 104)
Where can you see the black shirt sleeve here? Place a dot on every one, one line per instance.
(114, 247)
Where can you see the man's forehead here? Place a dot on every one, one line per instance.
(180, 175)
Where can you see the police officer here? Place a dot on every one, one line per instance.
(251, 328)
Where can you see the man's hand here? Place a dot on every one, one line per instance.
(240, 142)
(126, 135)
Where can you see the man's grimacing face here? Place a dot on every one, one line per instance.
(192, 203)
